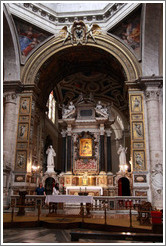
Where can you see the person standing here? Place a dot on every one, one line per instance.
(40, 190)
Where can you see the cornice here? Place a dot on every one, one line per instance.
(146, 81)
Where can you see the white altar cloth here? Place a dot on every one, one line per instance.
(84, 188)
(68, 199)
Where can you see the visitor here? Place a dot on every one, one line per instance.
(56, 189)
(40, 190)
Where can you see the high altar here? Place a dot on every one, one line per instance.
(86, 150)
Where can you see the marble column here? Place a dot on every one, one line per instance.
(63, 150)
(9, 129)
(152, 93)
(102, 153)
(69, 166)
(109, 154)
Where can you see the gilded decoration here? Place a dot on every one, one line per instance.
(136, 104)
(106, 42)
(23, 133)
(21, 159)
(25, 105)
(85, 147)
(137, 132)
(139, 160)
(85, 156)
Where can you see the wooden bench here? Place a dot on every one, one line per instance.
(127, 236)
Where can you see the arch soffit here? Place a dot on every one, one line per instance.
(110, 44)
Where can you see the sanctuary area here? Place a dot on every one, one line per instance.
(83, 103)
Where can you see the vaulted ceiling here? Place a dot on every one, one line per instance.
(84, 69)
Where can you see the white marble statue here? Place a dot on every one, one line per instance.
(50, 159)
(66, 112)
(122, 155)
(102, 111)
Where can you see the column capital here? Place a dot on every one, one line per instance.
(152, 95)
(108, 132)
(10, 97)
(69, 129)
(102, 129)
(63, 132)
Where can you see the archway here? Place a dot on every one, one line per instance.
(49, 183)
(51, 67)
(123, 187)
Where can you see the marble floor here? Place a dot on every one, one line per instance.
(45, 235)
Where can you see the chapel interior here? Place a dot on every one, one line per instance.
(86, 79)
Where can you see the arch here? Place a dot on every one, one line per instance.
(107, 43)
(124, 187)
(49, 182)
(11, 51)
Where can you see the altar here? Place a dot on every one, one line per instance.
(53, 200)
(91, 190)
(68, 199)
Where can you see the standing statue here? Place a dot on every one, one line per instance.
(122, 155)
(50, 159)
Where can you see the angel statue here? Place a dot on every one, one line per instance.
(91, 29)
(66, 32)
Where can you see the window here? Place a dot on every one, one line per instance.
(51, 107)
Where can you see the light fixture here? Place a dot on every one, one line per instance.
(123, 168)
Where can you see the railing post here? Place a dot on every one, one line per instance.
(39, 212)
(12, 217)
(130, 217)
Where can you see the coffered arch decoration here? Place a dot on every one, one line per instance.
(109, 44)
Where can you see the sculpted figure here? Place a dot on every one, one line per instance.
(138, 129)
(157, 178)
(122, 155)
(101, 110)
(139, 159)
(50, 158)
(66, 112)
(136, 103)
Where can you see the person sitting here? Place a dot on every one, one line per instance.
(40, 190)
(56, 189)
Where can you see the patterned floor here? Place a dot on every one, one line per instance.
(46, 236)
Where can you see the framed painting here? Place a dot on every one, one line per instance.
(138, 131)
(136, 103)
(23, 132)
(25, 105)
(21, 159)
(139, 160)
(85, 148)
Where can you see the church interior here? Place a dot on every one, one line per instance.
(83, 111)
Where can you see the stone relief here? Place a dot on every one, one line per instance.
(79, 32)
(101, 110)
(157, 178)
(69, 111)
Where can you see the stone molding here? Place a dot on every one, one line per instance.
(40, 10)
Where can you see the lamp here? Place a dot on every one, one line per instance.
(123, 168)
(35, 168)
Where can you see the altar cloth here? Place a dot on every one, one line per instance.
(68, 199)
